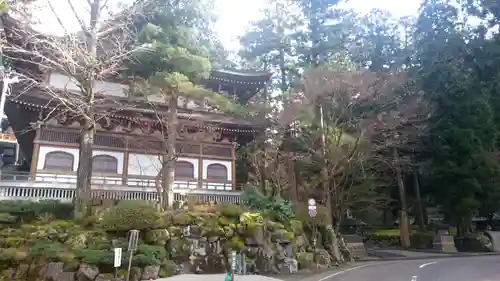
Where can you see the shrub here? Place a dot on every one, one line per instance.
(276, 207)
(96, 257)
(46, 251)
(383, 238)
(27, 211)
(472, 243)
(149, 255)
(168, 268)
(422, 240)
(129, 215)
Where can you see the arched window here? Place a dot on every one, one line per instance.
(216, 172)
(184, 169)
(59, 161)
(104, 164)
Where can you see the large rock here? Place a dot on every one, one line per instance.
(87, 273)
(150, 272)
(51, 270)
(66, 276)
(135, 273)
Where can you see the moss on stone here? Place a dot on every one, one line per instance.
(305, 260)
(182, 218)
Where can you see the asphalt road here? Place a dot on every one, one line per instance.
(484, 268)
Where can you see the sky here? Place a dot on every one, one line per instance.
(234, 16)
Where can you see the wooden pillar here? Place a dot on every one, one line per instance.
(233, 169)
(36, 151)
(125, 167)
(125, 163)
(200, 172)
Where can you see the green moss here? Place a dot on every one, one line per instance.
(288, 235)
(273, 226)
(225, 221)
(175, 231)
(305, 260)
(14, 241)
(297, 227)
(157, 236)
(230, 210)
(6, 218)
(182, 219)
(236, 243)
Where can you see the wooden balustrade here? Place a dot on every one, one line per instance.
(23, 186)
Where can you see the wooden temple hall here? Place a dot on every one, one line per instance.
(128, 144)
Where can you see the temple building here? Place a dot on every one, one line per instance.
(129, 143)
(130, 137)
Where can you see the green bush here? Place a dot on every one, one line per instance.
(149, 255)
(276, 207)
(383, 238)
(129, 215)
(168, 268)
(27, 211)
(97, 257)
(46, 251)
(422, 240)
(470, 243)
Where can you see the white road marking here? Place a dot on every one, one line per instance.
(414, 278)
(426, 264)
(344, 271)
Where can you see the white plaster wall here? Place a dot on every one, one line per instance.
(228, 165)
(143, 164)
(44, 150)
(195, 162)
(118, 155)
(64, 82)
(150, 165)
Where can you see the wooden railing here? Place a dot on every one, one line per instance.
(19, 186)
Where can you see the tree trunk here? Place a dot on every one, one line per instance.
(168, 174)
(84, 172)
(326, 187)
(420, 206)
(403, 215)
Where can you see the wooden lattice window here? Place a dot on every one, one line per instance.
(217, 172)
(184, 169)
(105, 164)
(59, 161)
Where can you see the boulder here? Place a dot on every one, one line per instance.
(65, 276)
(87, 273)
(150, 272)
(51, 270)
(135, 273)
